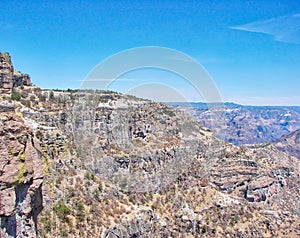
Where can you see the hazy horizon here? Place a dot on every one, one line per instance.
(250, 49)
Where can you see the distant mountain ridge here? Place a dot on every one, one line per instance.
(240, 124)
(227, 104)
(290, 143)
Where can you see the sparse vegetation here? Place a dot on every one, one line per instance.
(15, 95)
(61, 210)
(89, 176)
(21, 176)
(22, 156)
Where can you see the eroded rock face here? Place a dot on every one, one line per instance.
(9, 78)
(189, 182)
(21, 79)
(6, 73)
(21, 177)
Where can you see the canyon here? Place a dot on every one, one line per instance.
(79, 163)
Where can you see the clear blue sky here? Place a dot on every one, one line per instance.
(251, 48)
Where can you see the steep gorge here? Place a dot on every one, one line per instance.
(114, 165)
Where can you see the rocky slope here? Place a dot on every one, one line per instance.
(124, 166)
(245, 124)
(290, 143)
(119, 166)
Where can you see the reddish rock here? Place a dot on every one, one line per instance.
(21, 177)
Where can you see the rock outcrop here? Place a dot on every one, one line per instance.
(9, 78)
(6, 73)
(21, 79)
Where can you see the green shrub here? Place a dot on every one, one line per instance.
(89, 176)
(15, 95)
(79, 207)
(61, 210)
(21, 176)
(22, 156)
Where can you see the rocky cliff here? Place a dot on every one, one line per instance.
(21, 171)
(21, 162)
(119, 166)
(9, 78)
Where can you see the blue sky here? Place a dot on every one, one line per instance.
(250, 48)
